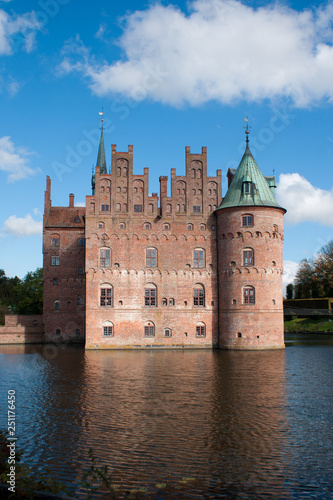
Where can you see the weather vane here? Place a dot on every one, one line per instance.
(247, 129)
(101, 113)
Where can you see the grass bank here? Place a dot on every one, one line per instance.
(313, 325)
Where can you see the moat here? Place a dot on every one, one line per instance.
(215, 424)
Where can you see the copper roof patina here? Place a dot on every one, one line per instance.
(260, 191)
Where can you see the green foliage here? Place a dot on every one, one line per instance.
(290, 291)
(315, 325)
(314, 278)
(30, 293)
(21, 296)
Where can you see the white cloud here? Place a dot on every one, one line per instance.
(22, 226)
(289, 271)
(79, 204)
(18, 32)
(14, 161)
(223, 50)
(304, 202)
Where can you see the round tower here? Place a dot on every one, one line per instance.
(250, 241)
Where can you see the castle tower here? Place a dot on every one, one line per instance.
(250, 240)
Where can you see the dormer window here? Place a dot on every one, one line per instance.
(247, 187)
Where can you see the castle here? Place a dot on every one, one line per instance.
(130, 270)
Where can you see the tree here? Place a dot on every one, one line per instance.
(290, 291)
(314, 278)
(30, 293)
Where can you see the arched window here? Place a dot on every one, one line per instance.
(118, 207)
(198, 295)
(105, 257)
(57, 305)
(166, 227)
(249, 295)
(164, 302)
(55, 240)
(101, 225)
(150, 295)
(108, 329)
(167, 332)
(248, 257)
(199, 173)
(200, 329)
(189, 227)
(199, 258)
(106, 295)
(149, 329)
(247, 220)
(169, 208)
(193, 173)
(202, 227)
(122, 225)
(118, 171)
(147, 226)
(79, 300)
(151, 257)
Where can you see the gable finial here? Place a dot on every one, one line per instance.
(101, 113)
(247, 130)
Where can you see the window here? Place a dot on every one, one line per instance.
(247, 220)
(77, 219)
(79, 300)
(199, 295)
(54, 242)
(81, 242)
(57, 305)
(166, 227)
(107, 329)
(189, 227)
(196, 209)
(213, 228)
(147, 226)
(151, 257)
(105, 208)
(247, 187)
(200, 330)
(58, 331)
(202, 227)
(149, 329)
(104, 257)
(118, 207)
(248, 294)
(199, 258)
(164, 302)
(55, 261)
(106, 296)
(101, 225)
(80, 270)
(137, 208)
(55, 281)
(171, 302)
(167, 332)
(248, 257)
(150, 295)
(122, 225)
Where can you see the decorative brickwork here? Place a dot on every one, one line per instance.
(179, 271)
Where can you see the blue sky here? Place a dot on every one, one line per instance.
(168, 75)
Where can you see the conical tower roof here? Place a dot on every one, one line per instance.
(260, 189)
(101, 160)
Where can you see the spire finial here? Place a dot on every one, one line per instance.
(101, 113)
(247, 130)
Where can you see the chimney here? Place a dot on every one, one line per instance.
(71, 200)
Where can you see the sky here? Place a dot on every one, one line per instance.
(167, 74)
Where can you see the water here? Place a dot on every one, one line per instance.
(209, 424)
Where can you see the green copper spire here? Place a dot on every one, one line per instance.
(101, 160)
(249, 187)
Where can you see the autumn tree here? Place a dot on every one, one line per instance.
(314, 278)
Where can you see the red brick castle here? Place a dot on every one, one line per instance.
(131, 270)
